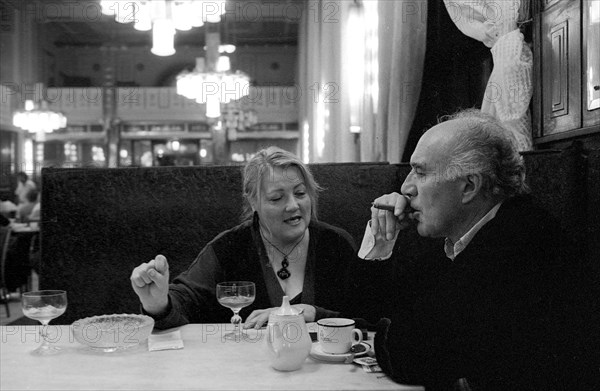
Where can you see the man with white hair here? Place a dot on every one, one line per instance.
(493, 308)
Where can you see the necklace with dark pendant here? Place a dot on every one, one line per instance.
(284, 273)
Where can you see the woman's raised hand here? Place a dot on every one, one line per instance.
(150, 281)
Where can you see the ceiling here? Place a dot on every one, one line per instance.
(246, 23)
(266, 33)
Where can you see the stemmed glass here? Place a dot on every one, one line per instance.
(44, 306)
(235, 295)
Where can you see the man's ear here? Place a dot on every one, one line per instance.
(471, 187)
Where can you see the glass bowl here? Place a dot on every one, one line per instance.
(110, 333)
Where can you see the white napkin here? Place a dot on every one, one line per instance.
(165, 341)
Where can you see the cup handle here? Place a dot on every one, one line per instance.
(357, 336)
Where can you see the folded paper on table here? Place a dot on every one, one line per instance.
(369, 364)
(165, 341)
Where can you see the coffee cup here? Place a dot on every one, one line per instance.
(337, 335)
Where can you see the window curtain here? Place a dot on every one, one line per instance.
(393, 51)
(323, 108)
(402, 42)
(509, 89)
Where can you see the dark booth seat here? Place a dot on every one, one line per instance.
(99, 224)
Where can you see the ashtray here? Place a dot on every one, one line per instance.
(109, 333)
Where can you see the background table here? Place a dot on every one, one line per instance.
(206, 362)
(18, 228)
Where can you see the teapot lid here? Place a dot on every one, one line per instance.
(286, 308)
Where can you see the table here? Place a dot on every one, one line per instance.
(206, 362)
(24, 228)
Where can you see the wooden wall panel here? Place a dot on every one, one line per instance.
(561, 68)
(591, 63)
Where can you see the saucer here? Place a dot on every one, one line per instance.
(317, 352)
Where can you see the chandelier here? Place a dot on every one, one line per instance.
(37, 118)
(164, 17)
(212, 82)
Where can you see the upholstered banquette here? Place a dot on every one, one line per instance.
(98, 224)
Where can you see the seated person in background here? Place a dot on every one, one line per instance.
(18, 261)
(505, 304)
(25, 208)
(24, 185)
(281, 247)
(36, 212)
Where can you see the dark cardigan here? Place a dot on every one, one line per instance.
(238, 254)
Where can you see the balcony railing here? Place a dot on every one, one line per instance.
(84, 106)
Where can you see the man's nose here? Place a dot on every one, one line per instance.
(408, 186)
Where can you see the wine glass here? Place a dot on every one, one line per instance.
(44, 306)
(235, 295)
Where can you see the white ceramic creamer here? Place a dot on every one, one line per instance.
(288, 341)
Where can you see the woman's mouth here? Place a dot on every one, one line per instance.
(293, 220)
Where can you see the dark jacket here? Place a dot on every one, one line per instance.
(511, 312)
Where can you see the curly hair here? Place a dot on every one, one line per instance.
(261, 165)
(484, 146)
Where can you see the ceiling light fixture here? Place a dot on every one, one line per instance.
(212, 82)
(164, 17)
(37, 118)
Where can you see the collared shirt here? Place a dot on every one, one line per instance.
(378, 248)
(453, 249)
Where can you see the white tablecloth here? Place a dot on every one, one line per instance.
(206, 362)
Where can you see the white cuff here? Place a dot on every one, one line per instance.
(376, 247)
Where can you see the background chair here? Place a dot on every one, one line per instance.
(4, 239)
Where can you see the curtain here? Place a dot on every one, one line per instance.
(402, 42)
(323, 109)
(509, 89)
(393, 51)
